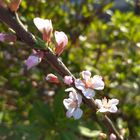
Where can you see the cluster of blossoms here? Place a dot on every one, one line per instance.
(86, 84)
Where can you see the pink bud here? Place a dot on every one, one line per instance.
(52, 78)
(14, 5)
(45, 27)
(7, 37)
(68, 80)
(113, 136)
(33, 60)
(61, 40)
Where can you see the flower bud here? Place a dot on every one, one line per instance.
(61, 40)
(45, 27)
(68, 80)
(14, 5)
(52, 78)
(113, 136)
(102, 136)
(7, 37)
(33, 60)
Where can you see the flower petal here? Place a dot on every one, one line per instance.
(97, 82)
(70, 112)
(86, 74)
(32, 61)
(79, 99)
(79, 84)
(88, 93)
(102, 109)
(113, 109)
(61, 38)
(98, 102)
(39, 23)
(77, 113)
(113, 101)
(70, 89)
(67, 103)
(73, 95)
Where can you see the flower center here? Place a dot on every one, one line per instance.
(88, 83)
(105, 103)
(107, 106)
(74, 104)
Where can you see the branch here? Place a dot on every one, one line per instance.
(12, 20)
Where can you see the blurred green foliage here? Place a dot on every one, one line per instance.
(32, 109)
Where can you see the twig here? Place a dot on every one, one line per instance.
(12, 20)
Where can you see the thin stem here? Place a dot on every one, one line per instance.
(111, 125)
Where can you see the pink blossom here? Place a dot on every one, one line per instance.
(72, 104)
(33, 60)
(88, 84)
(105, 105)
(61, 40)
(68, 80)
(52, 78)
(45, 27)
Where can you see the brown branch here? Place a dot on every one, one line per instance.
(12, 20)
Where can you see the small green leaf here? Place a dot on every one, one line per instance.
(89, 133)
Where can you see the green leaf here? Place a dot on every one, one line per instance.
(89, 133)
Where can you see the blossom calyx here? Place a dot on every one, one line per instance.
(14, 5)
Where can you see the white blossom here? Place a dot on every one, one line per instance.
(105, 105)
(72, 104)
(88, 84)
